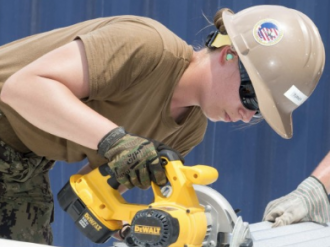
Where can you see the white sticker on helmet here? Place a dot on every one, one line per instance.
(295, 95)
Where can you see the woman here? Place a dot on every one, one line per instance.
(65, 94)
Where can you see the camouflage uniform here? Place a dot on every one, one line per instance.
(26, 201)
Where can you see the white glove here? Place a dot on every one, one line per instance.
(309, 202)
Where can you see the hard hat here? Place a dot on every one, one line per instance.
(284, 56)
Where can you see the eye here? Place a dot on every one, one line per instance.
(247, 90)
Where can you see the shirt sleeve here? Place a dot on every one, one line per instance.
(120, 54)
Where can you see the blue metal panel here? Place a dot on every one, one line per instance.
(255, 165)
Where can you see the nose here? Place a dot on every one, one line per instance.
(246, 115)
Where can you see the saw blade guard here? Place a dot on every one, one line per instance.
(220, 215)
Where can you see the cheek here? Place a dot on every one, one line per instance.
(232, 93)
(222, 97)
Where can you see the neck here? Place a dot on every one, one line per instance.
(190, 87)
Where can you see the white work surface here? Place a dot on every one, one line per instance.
(11, 243)
(305, 234)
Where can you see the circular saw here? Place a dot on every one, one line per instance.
(185, 213)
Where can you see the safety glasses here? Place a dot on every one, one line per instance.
(246, 92)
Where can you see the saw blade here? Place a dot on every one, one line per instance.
(241, 236)
(222, 211)
(221, 217)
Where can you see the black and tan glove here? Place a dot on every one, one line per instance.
(134, 160)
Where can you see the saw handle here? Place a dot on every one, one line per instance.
(164, 155)
(112, 181)
(170, 156)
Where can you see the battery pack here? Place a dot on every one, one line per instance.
(83, 218)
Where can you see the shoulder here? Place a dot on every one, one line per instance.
(149, 33)
(170, 41)
(122, 50)
(131, 35)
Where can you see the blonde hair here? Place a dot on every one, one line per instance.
(218, 20)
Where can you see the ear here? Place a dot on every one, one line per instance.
(227, 55)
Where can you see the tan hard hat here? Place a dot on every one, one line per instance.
(284, 56)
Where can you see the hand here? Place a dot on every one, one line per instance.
(133, 159)
(309, 202)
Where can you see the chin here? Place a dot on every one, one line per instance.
(212, 119)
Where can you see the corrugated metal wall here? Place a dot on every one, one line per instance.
(255, 164)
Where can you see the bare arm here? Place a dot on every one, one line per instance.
(47, 93)
(322, 172)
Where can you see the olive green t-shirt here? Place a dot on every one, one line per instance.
(134, 65)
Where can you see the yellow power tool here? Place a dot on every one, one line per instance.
(185, 213)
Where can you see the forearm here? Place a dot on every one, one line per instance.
(52, 107)
(322, 172)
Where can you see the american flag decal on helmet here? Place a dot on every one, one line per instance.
(267, 32)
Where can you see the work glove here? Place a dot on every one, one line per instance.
(134, 160)
(309, 202)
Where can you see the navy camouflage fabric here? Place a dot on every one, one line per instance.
(26, 201)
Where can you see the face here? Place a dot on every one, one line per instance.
(221, 101)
